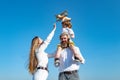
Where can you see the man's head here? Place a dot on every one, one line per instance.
(64, 38)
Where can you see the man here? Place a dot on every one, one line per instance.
(68, 67)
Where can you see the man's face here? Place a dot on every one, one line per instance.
(64, 41)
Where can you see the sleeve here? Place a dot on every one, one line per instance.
(71, 32)
(47, 41)
(79, 52)
(51, 55)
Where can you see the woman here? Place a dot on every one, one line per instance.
(38, 59)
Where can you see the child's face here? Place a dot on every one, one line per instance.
(64, 26)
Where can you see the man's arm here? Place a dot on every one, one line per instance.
(79, 55)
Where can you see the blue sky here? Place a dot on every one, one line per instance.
(96, 24)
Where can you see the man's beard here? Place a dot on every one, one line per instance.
(65, 44)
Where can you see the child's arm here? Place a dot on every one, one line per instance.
(71, 33)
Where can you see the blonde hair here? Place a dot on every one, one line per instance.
(64, 34)
(32, 57)
(68, 23)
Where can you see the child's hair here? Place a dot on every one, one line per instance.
(67, 23)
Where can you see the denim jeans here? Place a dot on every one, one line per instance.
(72, 76)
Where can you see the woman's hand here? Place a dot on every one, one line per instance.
(54, 25)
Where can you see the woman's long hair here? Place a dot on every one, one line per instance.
(32, 57)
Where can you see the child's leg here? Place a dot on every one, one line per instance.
(57, 56)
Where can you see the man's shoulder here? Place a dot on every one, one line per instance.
(77, 48)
